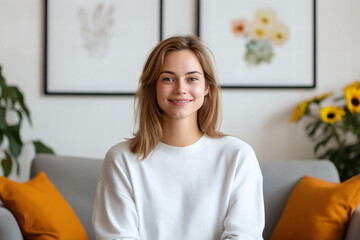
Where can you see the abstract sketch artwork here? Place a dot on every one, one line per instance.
(96, 29)
(98, 47)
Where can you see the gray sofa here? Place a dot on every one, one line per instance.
(76, 179)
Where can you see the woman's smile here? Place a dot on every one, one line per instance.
(180, 102)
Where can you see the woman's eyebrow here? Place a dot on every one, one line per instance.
(188, 73)
(169, 72)
(193, 72)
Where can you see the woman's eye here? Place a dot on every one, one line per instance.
(168, 79)
(192, 79)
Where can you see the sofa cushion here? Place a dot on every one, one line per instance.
(40, 210)
(317, 209)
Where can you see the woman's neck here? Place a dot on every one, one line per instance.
(180, 132)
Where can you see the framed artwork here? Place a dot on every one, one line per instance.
(261, 44)
(98, 47)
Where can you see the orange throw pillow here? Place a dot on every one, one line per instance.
(317, 209)
(40, 210)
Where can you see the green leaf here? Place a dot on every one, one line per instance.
(327, 128)
(328, 154)
(6, 164)
(20, 98)
(13, 95)
(20, 116)
(323, 142)
(42, 148)
(339, 99)
(3, 123)
(1, 137)
(9, 94)
(312, 131)
(2, 79)
(15, 143)
(310, 125)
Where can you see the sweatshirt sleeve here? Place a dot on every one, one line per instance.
(114, 215)
(245, 219)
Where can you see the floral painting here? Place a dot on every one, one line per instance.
(261, 44)
(261, 35)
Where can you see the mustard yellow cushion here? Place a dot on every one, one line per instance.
(317, 209)
(40, 210)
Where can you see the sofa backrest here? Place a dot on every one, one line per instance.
(76, 179)
(280, 177)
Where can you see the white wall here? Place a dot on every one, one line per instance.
(88, 126)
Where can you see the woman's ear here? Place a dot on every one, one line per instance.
(207, 88)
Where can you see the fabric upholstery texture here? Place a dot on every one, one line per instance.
(317, 209)
(40, 210)
(9, 229)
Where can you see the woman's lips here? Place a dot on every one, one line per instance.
(180, 102)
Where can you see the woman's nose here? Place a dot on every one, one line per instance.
(180, 87)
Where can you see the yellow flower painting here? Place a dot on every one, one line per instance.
(261, 35)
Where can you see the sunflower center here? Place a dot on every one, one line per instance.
(330, 116)
(355, 102)
(265, 20)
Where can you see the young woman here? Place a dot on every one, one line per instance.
(179, 178)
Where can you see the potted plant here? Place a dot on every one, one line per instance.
(333, 124)
(12, 102)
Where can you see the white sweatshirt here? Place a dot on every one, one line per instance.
(210, 190)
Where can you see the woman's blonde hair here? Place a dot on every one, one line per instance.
(148, 112)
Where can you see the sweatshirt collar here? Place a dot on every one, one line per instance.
(198, 145)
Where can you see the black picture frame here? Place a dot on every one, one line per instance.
(236, 74)
(95, 48)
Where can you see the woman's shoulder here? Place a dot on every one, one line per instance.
(120, 152)
(118, 148)
(236, 150)
(231, 142)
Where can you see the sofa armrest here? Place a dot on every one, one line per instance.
(9, 229)
(353, 230)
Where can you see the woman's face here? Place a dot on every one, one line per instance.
(181, 86)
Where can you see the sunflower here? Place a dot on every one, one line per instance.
(299, 111)
(331, 114)
(352, 95)
(353, 85)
